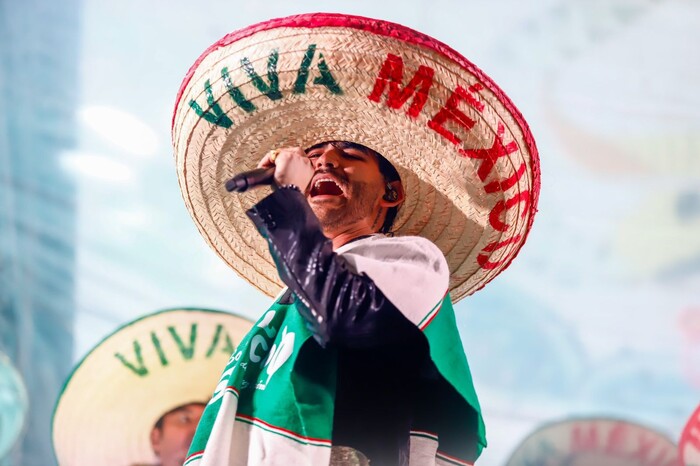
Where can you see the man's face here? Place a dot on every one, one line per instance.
(172, 439)
(347, 186)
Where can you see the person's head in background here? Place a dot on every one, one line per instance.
(172, 433)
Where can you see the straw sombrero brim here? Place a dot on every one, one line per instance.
(466, 157)
(593, 440)
(115, 395)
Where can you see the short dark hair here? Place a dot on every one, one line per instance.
(387, 170)
(390, 174)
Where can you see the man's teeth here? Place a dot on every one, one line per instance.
(318, 183)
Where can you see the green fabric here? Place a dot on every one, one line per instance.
(447, 353)
(283, 378)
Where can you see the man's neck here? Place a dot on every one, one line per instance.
(348, 233)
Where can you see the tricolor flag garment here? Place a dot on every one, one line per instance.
(274, 402)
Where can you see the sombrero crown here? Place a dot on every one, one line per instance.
(466, 157)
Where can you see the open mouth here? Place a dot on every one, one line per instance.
(325, 187)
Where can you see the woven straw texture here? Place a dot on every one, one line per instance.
(107, 409)
(465, 155)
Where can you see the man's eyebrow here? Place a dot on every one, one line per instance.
(314, 147)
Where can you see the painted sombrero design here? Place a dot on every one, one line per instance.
(466, 157)
(595, 441)
(689, 445)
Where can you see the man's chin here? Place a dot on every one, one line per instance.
(329, 213)
(322, 205)
(327, 199)
(325, 211)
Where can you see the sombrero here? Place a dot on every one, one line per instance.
(115, 395)
(595, 441)
(689, 444)
(466, 157)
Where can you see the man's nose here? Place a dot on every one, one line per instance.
(329, 158)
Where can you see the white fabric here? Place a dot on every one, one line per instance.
(411, 271)
(422, 451)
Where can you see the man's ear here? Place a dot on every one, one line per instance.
(397, 198)
(156, 436)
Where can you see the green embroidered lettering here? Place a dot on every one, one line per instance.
(325, 79)
(303, 73)
(187, 351)
(141, 370)
(159, 349)
(236, 93)
(272, 90)
(228, 347)
(214, 115)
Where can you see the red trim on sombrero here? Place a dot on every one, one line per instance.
(397, 31)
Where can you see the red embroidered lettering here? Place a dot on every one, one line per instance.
(491, 155)
(392, 73)
(504, 185)
(580, 442)
(616, 439)
(483, 259)
(502, 206)
(451, 112)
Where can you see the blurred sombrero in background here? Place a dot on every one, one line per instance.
(145, 368)
(594, 442)
(689, 444)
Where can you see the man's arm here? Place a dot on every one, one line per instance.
(340, 306)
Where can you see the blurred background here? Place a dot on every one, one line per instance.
(599, 315)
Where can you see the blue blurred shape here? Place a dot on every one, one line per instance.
(13, 405)
(519, 346)
(641, 386)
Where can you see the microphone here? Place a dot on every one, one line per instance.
(246, 180)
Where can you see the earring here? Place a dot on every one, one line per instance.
(391, 194)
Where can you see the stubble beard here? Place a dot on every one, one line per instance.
(358, 206)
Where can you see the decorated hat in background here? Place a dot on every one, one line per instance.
(689, 444)
(14, 403)
(115, 395)
(595, 441)
(466, 157)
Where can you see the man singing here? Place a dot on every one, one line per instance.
(340, 196)
(404, 179)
